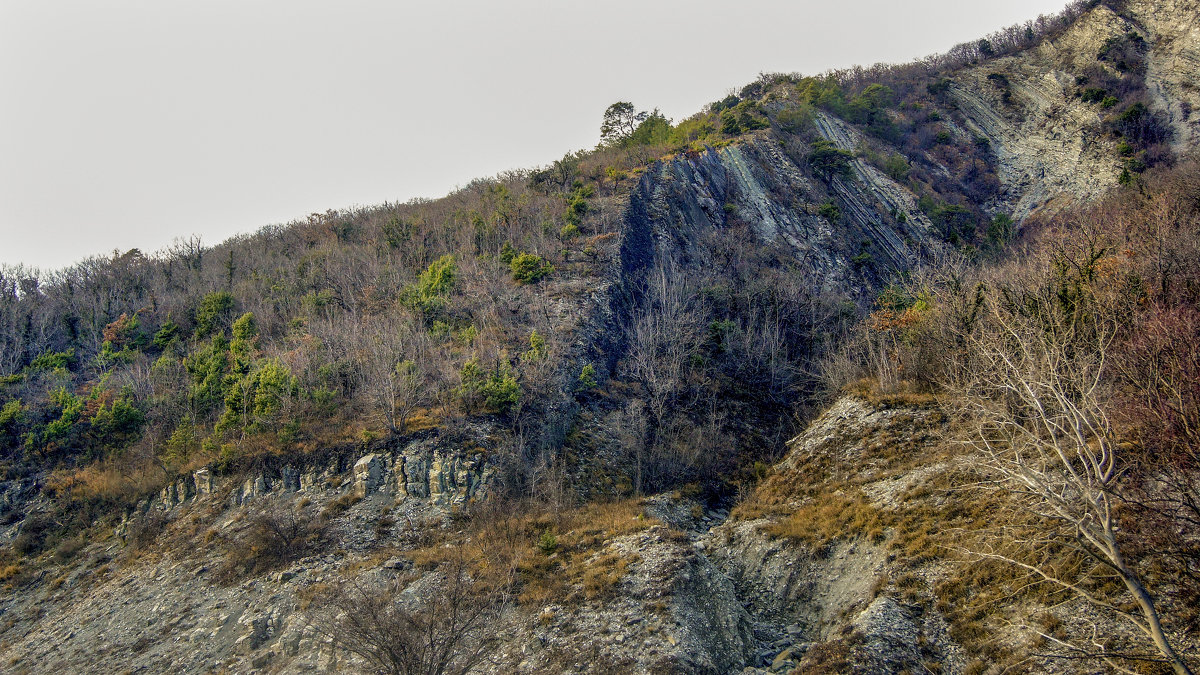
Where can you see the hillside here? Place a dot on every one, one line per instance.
(719, 394)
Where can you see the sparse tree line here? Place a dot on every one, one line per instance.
(348, 324)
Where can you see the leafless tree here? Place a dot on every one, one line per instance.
(665, 333)
(1036, 394)
(441, 623)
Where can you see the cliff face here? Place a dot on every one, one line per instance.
(1173, 71)
(758, 183)
(1051, 146)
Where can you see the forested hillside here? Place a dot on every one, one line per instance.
(562, 378)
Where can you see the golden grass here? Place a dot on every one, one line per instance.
(835, 516)
(928, 530)
(577, 567)
(9, 571)
(904, 394)
(107, 480)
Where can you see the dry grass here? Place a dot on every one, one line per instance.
(836, 516)
(904, 394)
(929, 531)
(553, 557)
(9, 571)
(113, 481)
(340, 505)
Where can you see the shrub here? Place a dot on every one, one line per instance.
(827, 160)
(145, 530)
(428, 294)
(896, 166)
(497, 390)
(529, 268)
(795, 120)
(32, 538)
(507, 253)
(449, 626)
(587, 377)
(830, 212)
(655, 129)
(729, 123)
(274, 538)
(55, 362)
(213, 311)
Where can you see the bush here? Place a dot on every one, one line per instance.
(274, 538)
(795, 120)
(447, 626)
(587, 377)
(528, 268)
(428, 294)
(32, 538)
(214, 310)
(496, 390)
(896, 166)
(55, 362)
(145, 530)
(830, 212)
(827, 160)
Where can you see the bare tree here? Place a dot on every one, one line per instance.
(1037, 396)
(664, 334)
(443, 623)
(392, 363)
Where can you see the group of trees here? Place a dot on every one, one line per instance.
(298, 335)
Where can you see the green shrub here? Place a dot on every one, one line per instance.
(528, 268)
(796, 120)
(496, 390)
(827, 160)
(537, 348)
(433, 285)
(11, 412)
(896, 166)
(167, 334)
(655, 129)
(692, 132)
(729, 123)
(507, 253)
(213, 311)
(56, 362)
(830, 212)
(120, 424)
(587, 377)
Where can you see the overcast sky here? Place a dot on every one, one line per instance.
(128, 124)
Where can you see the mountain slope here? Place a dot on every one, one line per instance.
(225, 438)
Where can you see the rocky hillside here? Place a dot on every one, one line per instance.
(696, 590)
(570, 420)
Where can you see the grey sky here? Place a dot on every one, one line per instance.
(128, 124)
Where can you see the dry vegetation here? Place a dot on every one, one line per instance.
(556, 557)
(1076, 410)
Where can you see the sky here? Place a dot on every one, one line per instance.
(129, 124)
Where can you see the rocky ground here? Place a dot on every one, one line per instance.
(702, 591)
